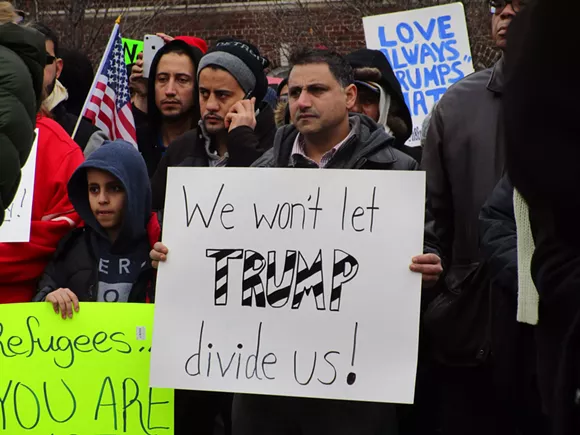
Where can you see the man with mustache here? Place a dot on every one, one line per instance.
(464, 160)
(324, 135)
(172, 106)
(236, 125)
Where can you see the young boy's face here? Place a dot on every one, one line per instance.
(107, 198)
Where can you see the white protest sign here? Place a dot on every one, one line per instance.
(18, 215)
(428, 50)
(290, 282)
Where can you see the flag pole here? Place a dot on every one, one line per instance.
(96, 79)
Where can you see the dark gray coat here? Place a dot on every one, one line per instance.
(464, 160)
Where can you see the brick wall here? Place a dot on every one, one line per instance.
(274, 28)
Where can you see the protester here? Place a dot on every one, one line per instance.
(237, 127)
(172, 106)
(138, 83)
(88, 137)
(111, 193)
(464, 160)
(514, 347)
(323, 136)
(380, 97)
(542, 150)
(22, 61)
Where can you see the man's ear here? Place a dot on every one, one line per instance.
(350, 93)
(59, 66)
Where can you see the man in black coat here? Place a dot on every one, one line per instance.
(543, 150)
(172, 103)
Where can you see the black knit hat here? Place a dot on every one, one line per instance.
(249, 55)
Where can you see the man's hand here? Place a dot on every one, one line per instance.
(63, 300)
(137, 81)
(158, 253)
(243, 113)
(430, 266)
(166, 38)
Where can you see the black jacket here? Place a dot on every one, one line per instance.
(498, 233)
(245, 146)
(75, 266)
(370, 147)
(22, 59)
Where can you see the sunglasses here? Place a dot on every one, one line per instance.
(497, 6)
(50, 59)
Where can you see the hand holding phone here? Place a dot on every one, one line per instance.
(243, 113)
(151, 45)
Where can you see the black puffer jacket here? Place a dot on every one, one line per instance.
(22, 60)
(75, 266)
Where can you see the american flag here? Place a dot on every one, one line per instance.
(108, 105)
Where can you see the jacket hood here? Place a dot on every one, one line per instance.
(122, 160)
(368, 139)
(29, 44)
(58, 95)
(195, 54)
(373, 66)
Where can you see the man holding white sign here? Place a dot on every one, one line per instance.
(321, 89)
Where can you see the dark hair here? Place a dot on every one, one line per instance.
(77, 77)
(49, 35)
(339, 67)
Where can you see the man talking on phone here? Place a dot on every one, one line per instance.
(236, 126)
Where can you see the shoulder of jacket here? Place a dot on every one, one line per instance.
(266, 160)
(463, 94)
(50, 131)
(405, 161)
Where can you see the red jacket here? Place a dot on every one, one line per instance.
(22, 264)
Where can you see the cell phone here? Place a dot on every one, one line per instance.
(151, 45)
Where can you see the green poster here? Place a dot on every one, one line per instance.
(88, 375)
(132, 48)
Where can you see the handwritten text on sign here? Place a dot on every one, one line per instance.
(88, 375)
(428, 50)
(18, 215)
(290, 282)
(132, 48)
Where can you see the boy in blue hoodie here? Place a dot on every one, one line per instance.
(106, 260)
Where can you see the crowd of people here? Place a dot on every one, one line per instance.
(500, 330)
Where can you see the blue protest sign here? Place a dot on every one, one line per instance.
(428, 50)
